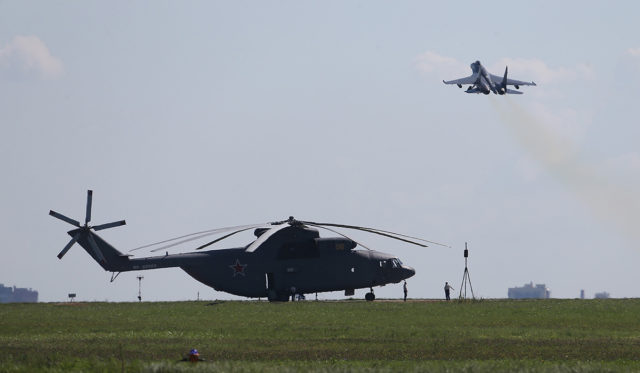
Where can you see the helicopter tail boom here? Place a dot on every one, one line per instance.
(110, 259)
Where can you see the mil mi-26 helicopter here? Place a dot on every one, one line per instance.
(287, 258)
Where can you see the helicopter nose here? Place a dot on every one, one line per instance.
(408, 271)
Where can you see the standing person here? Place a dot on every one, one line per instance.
(447, 287)
(404, 287)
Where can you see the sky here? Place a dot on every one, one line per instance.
(186, 116)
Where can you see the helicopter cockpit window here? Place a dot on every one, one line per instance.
(390, 263)
(393, 263)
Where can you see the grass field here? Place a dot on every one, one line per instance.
(482, 336)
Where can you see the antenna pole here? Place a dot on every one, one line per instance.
(466, 278)
(140, 288)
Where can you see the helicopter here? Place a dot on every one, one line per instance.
(286, 259)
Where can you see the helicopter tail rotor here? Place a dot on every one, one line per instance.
(74, 239)
(84, 230)
(89, 199)
(64, 218)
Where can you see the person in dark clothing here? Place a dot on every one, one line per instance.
(404, 287)
(447, 287)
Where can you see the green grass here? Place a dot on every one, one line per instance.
(482, 336)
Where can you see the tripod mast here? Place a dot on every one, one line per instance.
(466, 279)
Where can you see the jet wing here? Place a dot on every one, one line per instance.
(513, 92)
(497, 79)
(468, 80)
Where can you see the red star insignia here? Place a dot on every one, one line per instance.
(238, 269)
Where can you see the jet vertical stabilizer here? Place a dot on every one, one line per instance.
(503, 84)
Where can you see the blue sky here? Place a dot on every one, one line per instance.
(188, 116)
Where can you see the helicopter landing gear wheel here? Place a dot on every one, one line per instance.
(370, 297)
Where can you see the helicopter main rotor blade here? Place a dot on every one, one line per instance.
(195, 238)
(336, 232)
(109, 225)
(223, 237)
(388, 232)
(89, 201)
(406, 236)
(199, 234)
(74, 239)
(64, 218)
(179, 242)
(395, 236)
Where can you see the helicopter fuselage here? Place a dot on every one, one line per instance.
(282, 261)
(237, 272)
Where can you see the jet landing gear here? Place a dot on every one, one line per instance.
(370, 297)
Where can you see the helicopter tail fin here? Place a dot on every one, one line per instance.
(101, 251)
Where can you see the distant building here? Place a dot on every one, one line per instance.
(17, 295)
(603, 295)
(529, 291)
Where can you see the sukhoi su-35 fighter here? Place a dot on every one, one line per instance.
(481, 81)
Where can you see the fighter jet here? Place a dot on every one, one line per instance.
(483, 82)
